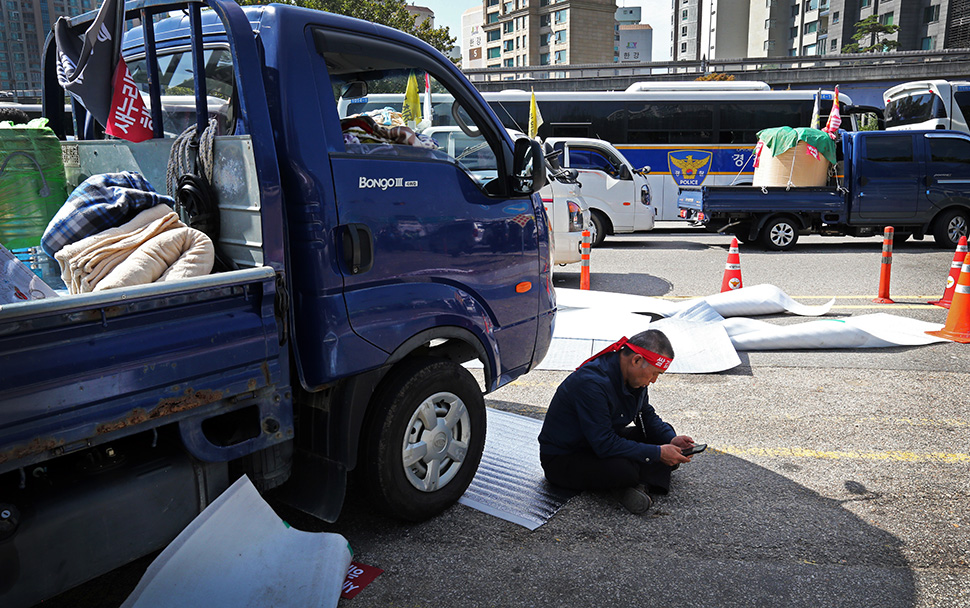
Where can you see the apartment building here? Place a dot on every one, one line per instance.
(711, 29)
(24, 25)
(547, 32)
(790, 28)
(633, 40)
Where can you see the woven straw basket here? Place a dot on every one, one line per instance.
(775, 170)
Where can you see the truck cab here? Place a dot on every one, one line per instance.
(617, 194)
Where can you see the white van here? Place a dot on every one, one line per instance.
(568, 213)
(928, 104)
(617, 194)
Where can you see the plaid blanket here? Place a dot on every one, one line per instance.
(100, 202)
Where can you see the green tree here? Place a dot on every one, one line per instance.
(391, 13)
(875, 32)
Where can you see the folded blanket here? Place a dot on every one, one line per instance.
(91, 260)
(102, 201)
(178, 253)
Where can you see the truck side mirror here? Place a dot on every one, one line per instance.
(644, 170)
(625, 173)
(528, 167)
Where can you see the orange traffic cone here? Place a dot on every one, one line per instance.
(957, 326)
(951, 279)
(732, 270)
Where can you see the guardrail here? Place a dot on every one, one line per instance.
(870, 66)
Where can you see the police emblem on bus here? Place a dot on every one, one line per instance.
(689, 167)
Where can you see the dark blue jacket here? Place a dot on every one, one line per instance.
(591, 405)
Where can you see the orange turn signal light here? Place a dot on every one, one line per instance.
(523, 287)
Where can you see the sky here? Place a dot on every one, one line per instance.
(448, 13)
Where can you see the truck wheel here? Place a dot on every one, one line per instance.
(950, 226)
(424, 439)
(779, 234)
(597, 229)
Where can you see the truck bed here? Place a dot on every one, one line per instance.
(829, 201)
(82, 370)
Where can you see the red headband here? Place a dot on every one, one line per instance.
(652, 358)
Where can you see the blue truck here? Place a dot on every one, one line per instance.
(363, 276)
(916, 181)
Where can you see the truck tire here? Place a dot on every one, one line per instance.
(950, 226)
(779, 234)
(597, 228)
(424, 438)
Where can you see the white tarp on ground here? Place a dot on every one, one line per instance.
(238, 553)
(866, 331)
(703, 339)
(748, 301)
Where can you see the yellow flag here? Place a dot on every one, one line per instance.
(411, 112)
(535, 118)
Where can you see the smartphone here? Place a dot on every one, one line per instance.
(697, 448)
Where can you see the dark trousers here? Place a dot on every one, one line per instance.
(586, 471)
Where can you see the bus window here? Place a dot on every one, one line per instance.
(739, 123)
(674, 123)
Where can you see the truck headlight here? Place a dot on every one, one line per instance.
(575, 216)
(645, 194)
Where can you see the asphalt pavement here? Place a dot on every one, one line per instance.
(834, 478)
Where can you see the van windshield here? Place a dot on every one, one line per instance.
(913, 109)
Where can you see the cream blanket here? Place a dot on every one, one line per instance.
(152, 246)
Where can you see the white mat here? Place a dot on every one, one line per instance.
(237, 553)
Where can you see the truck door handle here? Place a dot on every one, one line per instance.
(358, 247)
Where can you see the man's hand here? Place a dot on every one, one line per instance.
(682, 441)
(670, 455)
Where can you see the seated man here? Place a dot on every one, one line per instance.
(586, 442)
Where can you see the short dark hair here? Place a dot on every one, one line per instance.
(14, 115)
(655, 341)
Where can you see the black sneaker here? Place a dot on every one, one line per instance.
(635, 499)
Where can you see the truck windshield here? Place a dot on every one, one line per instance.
(177, 80)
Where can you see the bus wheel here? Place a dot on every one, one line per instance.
(597, 229)
(779, 234)
(950, 226)
(424, 439)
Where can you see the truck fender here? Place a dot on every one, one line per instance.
(764, 219)
(448, 342)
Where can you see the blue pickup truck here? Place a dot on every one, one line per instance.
(364, 276)
(916, 181)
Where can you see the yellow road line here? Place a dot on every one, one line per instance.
(880, 420)
(892, 456)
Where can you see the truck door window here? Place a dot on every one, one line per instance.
(949, 150)
(178, 88)
(893, 149)
(401, 126)
(588, 158)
